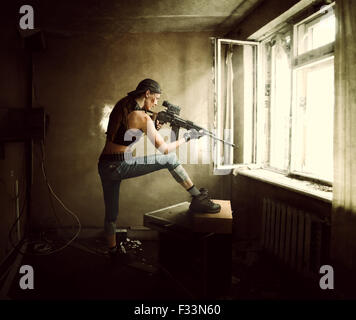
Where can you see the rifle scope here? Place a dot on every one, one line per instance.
(171, 107)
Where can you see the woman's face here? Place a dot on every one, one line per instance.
(151, 100)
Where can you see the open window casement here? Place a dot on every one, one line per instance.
(235, 64)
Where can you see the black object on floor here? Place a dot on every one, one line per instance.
(79, 274)
(83, 272)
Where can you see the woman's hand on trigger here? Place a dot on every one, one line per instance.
(158, 125)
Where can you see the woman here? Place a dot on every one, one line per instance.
(129, 119)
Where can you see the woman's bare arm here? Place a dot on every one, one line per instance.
(148, 127)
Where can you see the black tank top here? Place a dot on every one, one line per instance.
(132, 135)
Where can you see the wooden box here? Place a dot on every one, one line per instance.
(179, 217)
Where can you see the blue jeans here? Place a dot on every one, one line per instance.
(112, 172)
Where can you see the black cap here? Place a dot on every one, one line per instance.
(144, 85)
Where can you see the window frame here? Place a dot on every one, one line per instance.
(305, 60)
(265, 143)
(226, 168)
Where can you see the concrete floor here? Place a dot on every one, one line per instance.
(83, 272)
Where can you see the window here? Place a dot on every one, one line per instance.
(276, 74)
(235, 100)
(313, 97)
(284, 120)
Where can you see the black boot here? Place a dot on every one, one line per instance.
(203, 204)
(203, 190)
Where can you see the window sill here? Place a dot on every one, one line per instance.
(304, 187)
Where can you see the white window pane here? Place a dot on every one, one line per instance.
(313, 135)
(323, 32)
(249, 83)
(316, 33)
(280, 107)
(236, 101)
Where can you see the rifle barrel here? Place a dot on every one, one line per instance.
(190, 125)
(223, 141)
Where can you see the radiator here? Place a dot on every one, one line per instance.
(292, 235)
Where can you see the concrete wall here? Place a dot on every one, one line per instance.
(13, 85)
(266, 11)
(76, 78)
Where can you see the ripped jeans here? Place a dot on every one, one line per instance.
(112, 172)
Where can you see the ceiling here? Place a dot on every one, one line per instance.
(103, 16)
